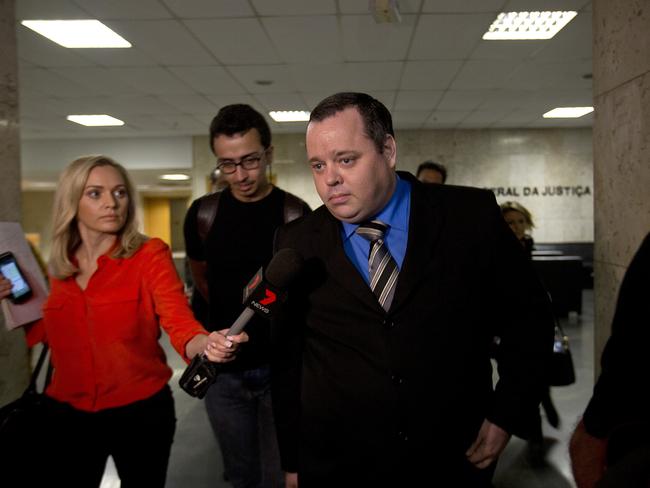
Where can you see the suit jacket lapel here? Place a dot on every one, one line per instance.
(425, 225)
(338, 265)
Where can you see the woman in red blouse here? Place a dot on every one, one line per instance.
(112, 289)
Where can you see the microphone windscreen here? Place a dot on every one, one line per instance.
(284, 267)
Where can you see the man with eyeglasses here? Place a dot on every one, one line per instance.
(229, 236)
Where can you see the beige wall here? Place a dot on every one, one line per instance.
(37, 217)
(621, 147)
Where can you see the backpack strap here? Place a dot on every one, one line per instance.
(294, 207)
(207, 212)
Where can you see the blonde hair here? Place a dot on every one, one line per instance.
(66, 238)
(518, 207)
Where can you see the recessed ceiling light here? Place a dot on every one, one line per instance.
(527, 25)
(95, 120)
(175, 177)
(77, 33)
(290, 116)
(568, 112)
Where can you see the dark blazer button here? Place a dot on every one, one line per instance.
(388, 323)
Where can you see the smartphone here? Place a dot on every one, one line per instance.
(20, 289)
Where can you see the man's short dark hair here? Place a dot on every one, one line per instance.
(432, 165)
(376, 118)
(238, 118)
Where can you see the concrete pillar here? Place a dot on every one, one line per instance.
(621, 147)
(14, 369)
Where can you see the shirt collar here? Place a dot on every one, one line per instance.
(394, 213)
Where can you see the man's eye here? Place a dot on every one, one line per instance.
(317, 166)
(347, 160)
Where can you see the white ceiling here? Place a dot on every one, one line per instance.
(191, 57)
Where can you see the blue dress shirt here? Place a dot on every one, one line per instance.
(396, 215)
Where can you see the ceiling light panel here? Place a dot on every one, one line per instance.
(568, 112)
(102, 120)
(290, 116)
(528, 25)
(77, 33)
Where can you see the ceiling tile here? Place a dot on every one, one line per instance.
(294, 7)
(550, 75)
(167, 42)
(439, 36)
(235, 41)
(100, 81)
(125, 9)
(46, 82)
(201, 9)
(208, 79)
(454, 6)
(117, 57)
(305, 39)
(282, 101)
(443, 118)
(475, 75)
(429, 75)
(221, 101)
(461, 100)
(410, 119)
(364, 77)
(42, 52)
(189, 104)
(507, 50)
(362, 6)
(264, 79)
(541, 5)
(418, 99)
(152, 80)
(572, 42)
(50, 10)
(365, 40)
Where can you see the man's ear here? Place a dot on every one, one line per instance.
(269, 154)
(390, 150)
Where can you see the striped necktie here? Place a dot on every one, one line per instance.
(381, 265)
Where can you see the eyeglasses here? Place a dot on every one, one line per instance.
(252, 161)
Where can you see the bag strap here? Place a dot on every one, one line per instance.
(207, 212)
(294, 207)
(37, 369)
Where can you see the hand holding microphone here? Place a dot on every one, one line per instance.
(263, 295)
(221, 346)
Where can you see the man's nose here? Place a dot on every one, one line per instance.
(332, 175)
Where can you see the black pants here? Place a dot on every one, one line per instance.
(138, 436)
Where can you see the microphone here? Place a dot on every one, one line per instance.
(263, 296)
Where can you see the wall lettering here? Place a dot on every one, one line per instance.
(541, 191)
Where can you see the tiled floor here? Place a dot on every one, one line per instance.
(196, 461)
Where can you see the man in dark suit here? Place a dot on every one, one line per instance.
(381, 370)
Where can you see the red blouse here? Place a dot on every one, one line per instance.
(104, 339)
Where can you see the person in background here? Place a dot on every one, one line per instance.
(521, 222)
(432, 172)
(228, 238)
(610, 447)
(381, 369)
(111, 290)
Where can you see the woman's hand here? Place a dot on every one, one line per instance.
(5, 287)
(221, 348)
